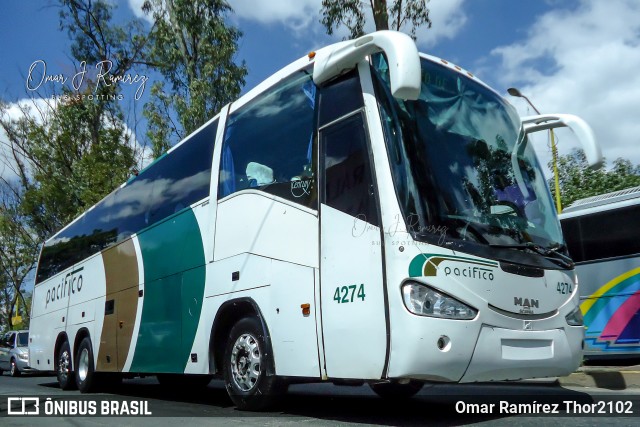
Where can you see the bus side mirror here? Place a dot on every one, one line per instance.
(579, 127)
(402, 56)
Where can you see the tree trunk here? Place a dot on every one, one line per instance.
(380, 15)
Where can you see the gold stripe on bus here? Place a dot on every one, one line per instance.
(121, 272)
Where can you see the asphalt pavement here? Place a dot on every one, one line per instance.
(605, 377)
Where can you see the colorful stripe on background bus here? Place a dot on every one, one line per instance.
(612, 314)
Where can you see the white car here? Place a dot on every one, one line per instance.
(14, 353)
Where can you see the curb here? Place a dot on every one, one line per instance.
(605, 377)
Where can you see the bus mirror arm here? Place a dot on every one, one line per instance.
(579, 127)
(401, 52)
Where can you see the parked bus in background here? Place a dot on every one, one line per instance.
(368, 213)
(603, 237)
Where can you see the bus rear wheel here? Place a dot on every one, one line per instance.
(85, 371)
(245, 367)
(64, 368)
(395, 390)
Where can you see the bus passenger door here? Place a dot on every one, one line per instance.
(354, 326)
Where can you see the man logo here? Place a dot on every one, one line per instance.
(526, 302)
(19, 405)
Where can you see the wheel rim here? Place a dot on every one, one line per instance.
(245, 362)
(63, 365)
(83, 364)
(13, 367)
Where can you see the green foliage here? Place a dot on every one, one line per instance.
(95, 38)
(351, 14)
(18, 250)
(66, 155)
(76, 158)
(578, 181)
(193, 48)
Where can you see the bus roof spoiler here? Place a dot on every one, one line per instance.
(579, 127)
(402, 56)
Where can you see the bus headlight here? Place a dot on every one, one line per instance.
(425, 301)
(575, 317)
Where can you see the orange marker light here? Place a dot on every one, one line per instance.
(306, 309)
(311, 55)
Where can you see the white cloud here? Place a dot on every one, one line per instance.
(447, 17)
(136, 8)
(296, 14)
(585, 62)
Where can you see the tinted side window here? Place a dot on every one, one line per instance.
(340, 97)
(611, 234)
(269, 143)
(573, 237)
(168, 185)
(182, 177)
(347, 172)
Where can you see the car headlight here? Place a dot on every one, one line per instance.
(23, 356)
(425, 301)
(574, 318)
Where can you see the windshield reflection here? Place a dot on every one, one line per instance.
(460, 163)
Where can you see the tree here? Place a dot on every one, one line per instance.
(194, 49)
(96, 38)
(407, 14)
(67, 155)
(18, 251)
(578, 181)
(65, 161)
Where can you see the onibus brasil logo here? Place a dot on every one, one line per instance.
(428, 265)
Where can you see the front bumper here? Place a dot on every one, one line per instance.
(23, 366)
(505, 354)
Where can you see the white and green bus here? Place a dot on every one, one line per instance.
(368, 213)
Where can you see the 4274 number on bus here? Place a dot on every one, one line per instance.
(347, 294)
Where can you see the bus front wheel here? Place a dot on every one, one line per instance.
(245, 367)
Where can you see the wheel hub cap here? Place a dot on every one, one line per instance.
(63, 365)
(245, 362)
(83, 364)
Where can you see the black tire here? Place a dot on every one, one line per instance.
(64, 367)
(85, 370)
(246, 359)
(395, 390)
(181, 381)
(14, 371)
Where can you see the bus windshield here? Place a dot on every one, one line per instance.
(462, 168)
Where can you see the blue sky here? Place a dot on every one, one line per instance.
(571, 56)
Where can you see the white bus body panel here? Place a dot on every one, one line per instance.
(354, 332)
(273, 244)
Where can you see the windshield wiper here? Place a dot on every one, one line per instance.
(551, 253)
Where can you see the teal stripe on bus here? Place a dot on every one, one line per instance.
(174, 275)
